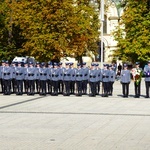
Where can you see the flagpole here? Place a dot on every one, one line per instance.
(102, 24)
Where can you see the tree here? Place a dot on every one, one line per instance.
(133, 31)
(56, 28)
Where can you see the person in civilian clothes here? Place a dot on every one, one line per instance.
(31, 76)
(49, 77)
(79, 79)
(92, 80)
(13, 81)
(72, 83)
(61, 83)
(1, 80)
(19, 71)
(125, 80)
(137, 76)
(7, 76)
(98, 78)
(112, 76)
(67, 79)
(147, 78)
(85, 71)
(43, 79)
(105, 80)
(37, 80)
(55, 79)
(26, 84)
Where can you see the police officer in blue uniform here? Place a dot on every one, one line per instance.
(31, 76)
(125, 80)
(43, 79)
(55, 79)
(147, 78)
(26, 84)
(13, 81)
(49, 77)
(37, 80)
(105, 80)
(92, 80)
(112, 76)
(7, 76)
(61, 83)
(85, 71)
(19, 76)
(79, 79)
(72, 82)
(67, 79)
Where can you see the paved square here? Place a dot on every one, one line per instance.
(75, 123)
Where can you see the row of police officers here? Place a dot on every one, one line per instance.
(55, 79)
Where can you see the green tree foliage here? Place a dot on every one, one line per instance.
(56, 28)
(133, 34)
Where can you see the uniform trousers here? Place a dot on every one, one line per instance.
(79, 87)
(7, 84)
(67, 87)
(93, 88)
(147, 84)
(55, 87)
(26, 85)
(37, 85)
(13, 86)
(72, 87)
(97, 87)
(42, 87)
(60, 86)
(2, 84)
(137, 88)
(49, 86)
(111, 87)
(19, 89)
(84, 86)
(31, 88)
(106, 87)
(125, 89)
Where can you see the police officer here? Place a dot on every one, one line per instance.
(72, 82)
(13, 81)
(105, 80)
(43, 79)
(125, 80)
(37, 77)
(79, 79)
(112, 76)
(7, 76)
(92, 80)
(49, 77)
(98, 78)
(1, 80)
(31, 76)
(67, 79)
(19, 76)
(61, 75)
(147, 78)
(85, 71)
(55, 79)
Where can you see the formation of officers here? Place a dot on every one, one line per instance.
(55, 79)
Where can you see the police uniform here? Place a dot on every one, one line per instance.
(112, 76)
(55, 79)
(125, 80)
(85, 71)
(105, 80)
(43, 79)
(19, 76)
(79, 79)
(7, 76)
(147, 78)
(49, 78)
(31, 76)
(67, 79)
(26, 84)
(72, 82)
(92, 80)
(37, 77)
(13, 81)
(60, 82)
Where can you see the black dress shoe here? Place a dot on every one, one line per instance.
(146, 96)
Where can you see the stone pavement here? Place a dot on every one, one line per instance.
(75, 123)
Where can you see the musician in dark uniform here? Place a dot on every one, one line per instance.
(147, 79)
